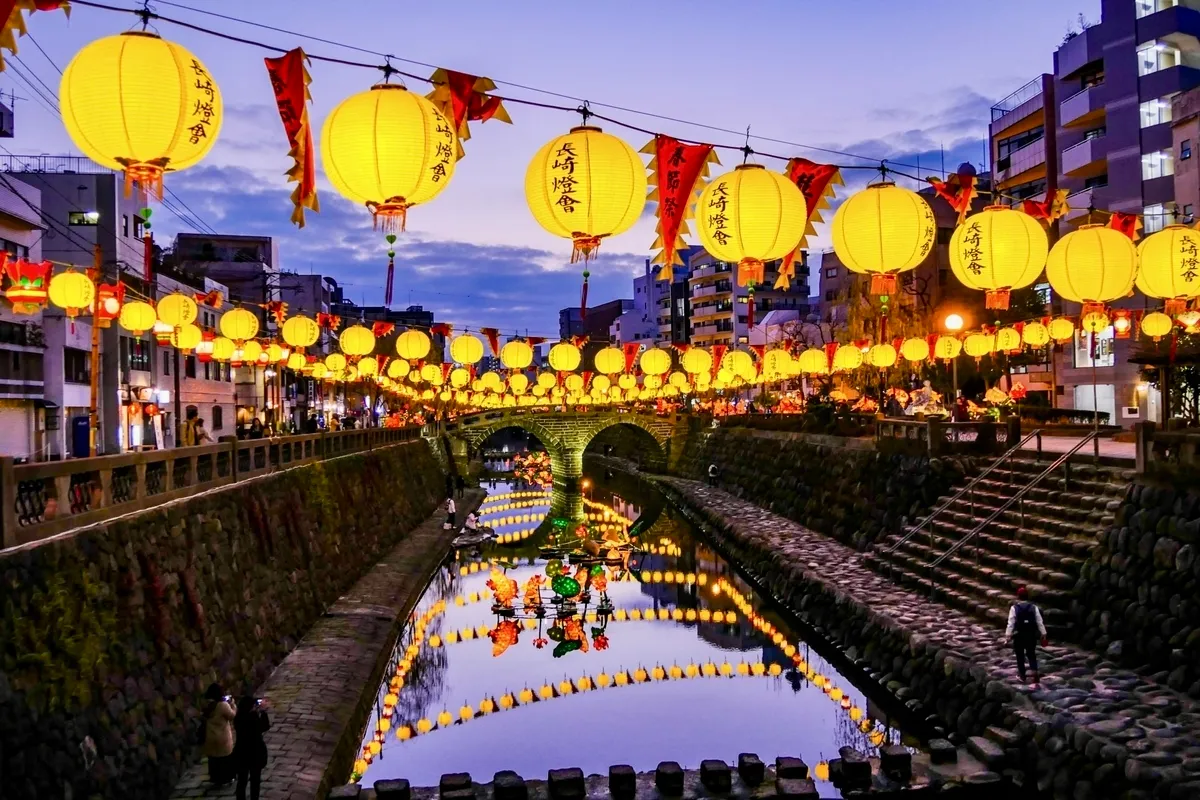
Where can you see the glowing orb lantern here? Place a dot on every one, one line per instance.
(388, 149)
(1094, 321)
(1157, 325)
(239, 325)
(977, 345)
(1061, 329)
(72, 291)
(1035, 334)
(1093, 266)
(413, 345)
(516, 354)
(750, 216)
(777, 363)
(1007, 340)
(222, 350)
(357, 340)
(846, 358)
(335, 362)
(186, 337)
(610, 361)
(655, 361)
(586, 185)
(881, 231)
(882, 356)
(177, 309)
(947, 348)
(564, 357)
(998, 250)
(301, 331)
(138, 103)
(813, 362)
(466, 349)
(137, 317)
(696, 361)
(1169, 266)
(915, 349)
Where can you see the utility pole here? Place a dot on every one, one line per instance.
(95, 273)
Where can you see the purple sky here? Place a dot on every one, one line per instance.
(875, 77)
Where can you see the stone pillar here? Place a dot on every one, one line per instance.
(565, 504)
(566, 462)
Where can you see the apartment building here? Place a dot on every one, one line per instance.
(1023, 133)
(641, 323)
(720, 309)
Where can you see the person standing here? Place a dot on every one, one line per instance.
(712, 474)
(451, 516)
(460, 484)
(250, 753)
(1025, 629)
(217, 746)
(202, 436)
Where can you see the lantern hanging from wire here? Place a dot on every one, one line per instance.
(1061, 329)
(998, 250)
(177, 310)
(915, 349)
(696, 361)
(1035, 334)
(72, 291)
(1092, 266)
(357, 341)
(139, 103)
(413, 344)
(564, 357)
(978, 345)
(466, 349)
(947, 347)
(847, 357)
(1169, 266)
(222, 349)
(516, 354)
(301, 331)
(1007, 340)
(137, 317)
(655, 361)
(882, 231)
(609, 361)
(239, 325)
(813, 361)
(882, 356)
(186, 337)
(1156, 325)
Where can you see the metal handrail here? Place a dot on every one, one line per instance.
(1019, 496)
(969, 487)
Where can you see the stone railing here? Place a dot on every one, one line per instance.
(43, 499)
(938, 438)
(1159, 449)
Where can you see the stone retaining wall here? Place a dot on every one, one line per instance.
(842, 488)
(111, 633)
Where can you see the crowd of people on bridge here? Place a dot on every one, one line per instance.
(231, 739)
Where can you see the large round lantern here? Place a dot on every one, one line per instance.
(397, 369)
(947, 348)
(186, 337)
(696, 361)
(739, 363)
(1169, 266)
(301, 331)
(222, 349)
(1093, 265)
(1157, 325)
(776, 364)
(335, 362)
(750, 216)
(466, 349)
(978, 345)
(239, 325)
(518, 383)
(357, 340)
(564, 357)
(251, 350)
(1061, 329)
(460, 377)
(915, 349)
(413, 344)
(72, 291)
(882, 356)
(137, 317)
(655, 361)
(1007, 340)
(813, 362)
(610, 361)
(388, 149)
(1035, 334)
(846, 358)
(177, 310)
(586, 185)
(138, 103)
(881, 231)
(516, 354)
(368, 368)
(998, 250)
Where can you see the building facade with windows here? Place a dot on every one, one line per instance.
(1023, 133)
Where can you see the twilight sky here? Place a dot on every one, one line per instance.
(873, 77)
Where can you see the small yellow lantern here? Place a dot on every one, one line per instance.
(295, 361)
(1007, 340)
(1035, 334)
(335, 362)
(696, 361)
(186, 337)
(300, 331)
(72, 291)
(459, 377)
(275, 353)
(177, 309)
(846, 358)
(239, 325)
(1094, 321)
(882, 356)
(357, 340)
(977, 345)
(251, 350)
(137, 317)
(881, 231)
(518, 383)
(813, 361)
(413, 344)
(655, 361)
(610, 361)
(397, 369)
(222, 349)
(564, 357)
(1156, 325)
(466, 349)
(915, 349)
(947, 347)
(1062, 329)
(516, 354)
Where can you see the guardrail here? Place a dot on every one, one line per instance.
(1158, 449)
(46, 498)
(937, 437)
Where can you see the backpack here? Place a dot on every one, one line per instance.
(1026, 626)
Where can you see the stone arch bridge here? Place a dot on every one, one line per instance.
(564, 434)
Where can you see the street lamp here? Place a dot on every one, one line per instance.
(954, 323)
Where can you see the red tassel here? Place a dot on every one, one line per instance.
(1174, 347)
(148, 257)
(750, 312)
(387, 295)
(583, 298)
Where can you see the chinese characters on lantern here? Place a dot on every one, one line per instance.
(718, 220)
(929, 228)
(204, 110)
(444, 153)
(1191, 258)
(565, 184)
(972, 252)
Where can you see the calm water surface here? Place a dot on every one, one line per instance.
(687, 664)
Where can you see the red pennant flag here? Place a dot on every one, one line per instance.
(463, 98)
(1127, 224)
(277, 309)
(330, 322)
(380, 362)
(830, 351)
(759, 350)
(213, 299)
(442, 329)
(381, 329)
(816, 182)
(587, 379)
(290, 80)
(1050, 209)
(718, 355)
(446, 367)
(677, 171)
(631, 353)
(579, 341)
(493, 337)
(12, 21)
(959, 191)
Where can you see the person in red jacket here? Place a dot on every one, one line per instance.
(1025, 630)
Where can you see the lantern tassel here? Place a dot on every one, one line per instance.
(391, 276)
(883, 283)
(583, 297)
(585, 247)
(1175, 306)
(148, 257)
(997, 299)
(391, 215)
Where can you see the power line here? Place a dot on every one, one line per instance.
(29, 36)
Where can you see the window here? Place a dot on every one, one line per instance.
(1094, 133)
(1188, 216)
(831, 272)
(1006, 147)
(14, 249)
(1092, 77)
(1155, 112)
(1159, 164)
(1155, 56)
(1145, 8)
(13, 333)
(77, 365)
(125, 225)
(1154, 218)
(167, 363)
(1024, 190)
(217, 418)
(1105, 357)
(137, 227)
(83, 217)
(189, 366)
(1185, 149)
(830, 295)
(206, 366)
(1096, 181)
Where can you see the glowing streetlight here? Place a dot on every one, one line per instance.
(954, 322)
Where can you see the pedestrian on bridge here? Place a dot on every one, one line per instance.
(250, 752)
(713, 471)
(1025, 629)
(217, 741)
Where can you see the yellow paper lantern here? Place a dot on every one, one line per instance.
(846, 358)
(397, 369)
(72, 291)
(696, 361)
(998, 250)
(432, 373)
(585, 186)
(239, 325)
(466, 349)
(547, 380)
(301, 331)
(977, 345)
(1007, 340)
(186, 337)
(749, 216)
(295, 361)
(677, 379)
(947, 348)
(516, 354)
(1035, 334)
(738, 362)
(1094, 264)
(601, 382)
(574, 383)
(367, 367)
(137, 317)
(1169, 266)
(177, 309)
(251, 350)
(564, 357)
(915, 349)
(413, 344)
(627, 382)
(388, 149)
(519, 383)
(813, 362)
(335, 362)
(275, 353)
(881, 231)
(1094, 321)
(318, 371)
(138, 103)
(1157, 325)
(655, 361)
(1062, 329)
(882, 356)
(459, 377)
(222, 349)
(776, 363)
(357, 341)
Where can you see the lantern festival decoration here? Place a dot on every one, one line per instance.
(1092, 266)
(177, 310)
(1035, 334)
(564, 357)
(137, 317)
(139, 103)
(750, 216)
(239, 325)
(977, 345)
(881, 356)
(357, 341)
(72, 291)
(223, 349)
(696, 361)
(847, 357)
(413, 344)
(915, 349)
(998, 250)
(516, 354)
(1156, 324)
(947, 348)
(1061, 329)
(1007, 340)
(466, 349)
(186, 337)
(881, 231)
(1169, 266)
(335, 362)
(813, 362)
(655, 361)
(609, 361)
(28, 285)
(109, 300)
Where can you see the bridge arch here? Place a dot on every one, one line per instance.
(651, 445)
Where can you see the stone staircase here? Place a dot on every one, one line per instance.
(1041, 548)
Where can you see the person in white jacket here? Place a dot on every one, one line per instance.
(1025, 629)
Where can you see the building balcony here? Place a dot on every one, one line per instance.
(706, 330)
(1021, 161)
(710, 271)
(1086, 159)
(1170, 22)
(1167, 81)
(1019, 105)
(1081, 201)
(1082, 108)
(1077, 52)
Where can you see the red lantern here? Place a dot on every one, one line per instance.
(28, 288)
(204, 350)
(150, 410)
(109, 299)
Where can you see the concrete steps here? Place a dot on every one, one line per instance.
(1040, 542)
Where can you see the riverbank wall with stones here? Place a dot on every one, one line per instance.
(111, 633)
(841, 487)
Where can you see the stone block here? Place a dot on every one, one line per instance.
(715, 775)
(668, 778)
(790, 768)
(622, 781)
(508, 785)
(566, 784)
(453, 784)
(796, 787)
(987, 751)
(942, 751)
(397, 789)
(751, 769)
(856, 768)
(896, 762)
(349, 790)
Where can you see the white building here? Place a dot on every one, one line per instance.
(641, 323)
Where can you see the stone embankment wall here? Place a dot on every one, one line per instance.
(109, 636)
(1138, 597)
(842, 488)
